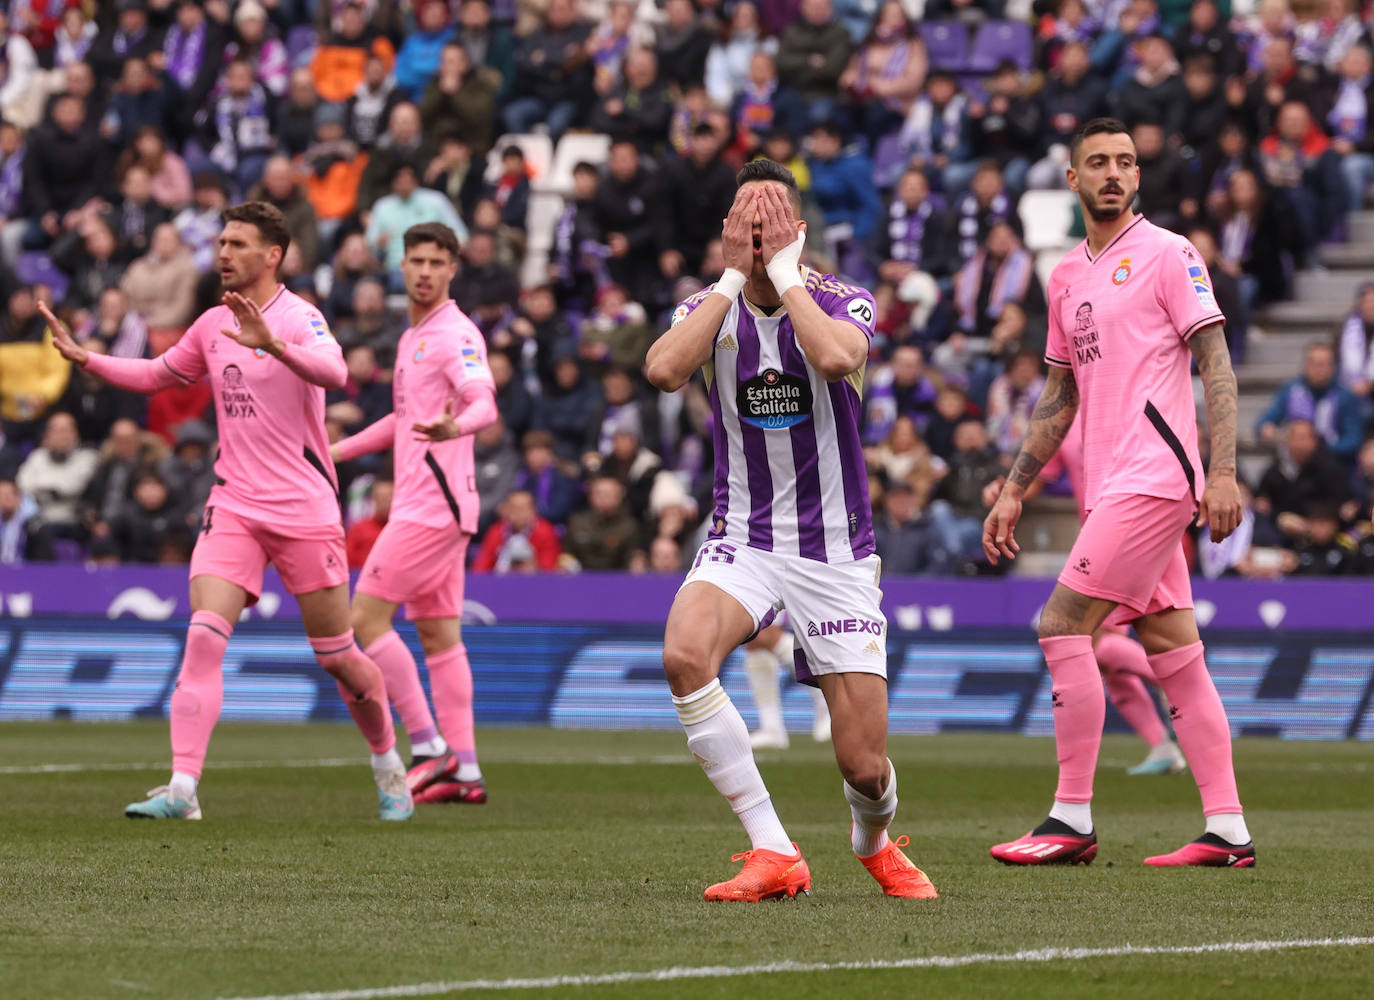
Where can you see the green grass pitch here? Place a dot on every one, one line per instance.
(592, 853)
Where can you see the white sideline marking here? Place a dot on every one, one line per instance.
(727, 971)
(229, 765)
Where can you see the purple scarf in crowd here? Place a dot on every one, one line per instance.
(184, 51)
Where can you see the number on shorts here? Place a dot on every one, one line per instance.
(207, 523)
(719, 553)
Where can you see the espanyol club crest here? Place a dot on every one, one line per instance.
(1122, 274)
(420, 352)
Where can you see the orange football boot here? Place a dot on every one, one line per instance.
(765, 875)
(896, 874)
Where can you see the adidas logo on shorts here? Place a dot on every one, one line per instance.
(873, 648)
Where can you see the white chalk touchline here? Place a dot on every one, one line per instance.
(230, 765)
(727, 971)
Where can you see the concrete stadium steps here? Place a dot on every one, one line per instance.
(1331, 285)
(1360, 228)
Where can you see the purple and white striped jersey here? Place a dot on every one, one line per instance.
(789, 474)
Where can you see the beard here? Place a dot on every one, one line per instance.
(1104, 213)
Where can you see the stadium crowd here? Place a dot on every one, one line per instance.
(127, 127)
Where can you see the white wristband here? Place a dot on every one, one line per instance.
(785, 277)
(731, 283)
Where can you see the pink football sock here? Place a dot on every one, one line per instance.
(1124, 664)
(361, 687)
(1200, 724)
(450, 677)
(403, 685)
(199, 692)
(1079, 711)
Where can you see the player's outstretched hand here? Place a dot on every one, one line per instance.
(62, 338)
(252, 332)
(998, 530)
(737, 234)
(1221, 509)
(442, 428)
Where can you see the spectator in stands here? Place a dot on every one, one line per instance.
(1001, 271)
(900, 389)
(521, 536)
(951, 409)
(95, 403)
(916, 234)
(121, 331)
(144, 524)
(402, 142)
(339, 64)
(1273, 19)
(279, 187)
(482, 279)
(161, 285)
(488, 46)
(698, 192)
(1303, 474)
(729, 62)
(637, 109)
(458, 102)
(1325, 31)
(189, 471)
(1156, 92)
(1283, 79)
(16, 511)
(683, 45)
(199, 223)
(362, 534)
(129, 37)
(983, 206)
(886, 72)
(511, 191)
(1074, 94)
(192, 52)
(135, 214)
(62, 172)
(1114, 53)
(604, 536)
(1226, 289)
(813, 52)
(957, 510)
(141, 98)
(1350, 126)
(1322, 549)
(567, 406)
(169, 180)
(636, 467)
(1259, 240)
(616, 333)
(1204, 109)
(1357, 345)
(56, 475)
(904, 455)
(299, 115)
(1163, 176)
(902, 530)
(625, 212)
(553, 81)
(1011, 398)
(1208, 35)
(1301, 167)
(513, 400)
(243, 126)
(623, 405)
(762, 106)
(406, 206)
(73, 38)
(122, 455)
(371, 322)
(555, 494)
(495, 465)
(11, 185)
(353, 264)
(93, 263)
(1318, 398)
(334, 169)
(370, 105)
(1254, 550)
(254, 41)
(365, 397)
(418, 59)
(1006, 127)
(842, 185)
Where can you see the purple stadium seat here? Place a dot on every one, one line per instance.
(947, 43)
(972, 85)
(300, 45)
(1000, 41)
(38, 269)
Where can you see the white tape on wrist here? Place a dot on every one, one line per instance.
(784, 278)
(731, 283)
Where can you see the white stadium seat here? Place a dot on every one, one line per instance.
(573, 148)
(538, 150)
(1046, 217)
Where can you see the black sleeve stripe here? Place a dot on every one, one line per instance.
(1215, 318)
(1057, 362)
(178, 374)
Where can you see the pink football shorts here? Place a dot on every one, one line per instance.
(238, 549)
(418, 566)
(1130, 551)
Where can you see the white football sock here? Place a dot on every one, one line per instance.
(385, 763)
(872, 817)
(1230, 827)
(719, 739)
(469, 772)
(1078, 815)
(761, 666)
(430, 748)
(183, 786)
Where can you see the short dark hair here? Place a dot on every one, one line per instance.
(756, 171)
(1097, 126)
(266, 218)
(431, 232)
(512, 150)
(584, 167)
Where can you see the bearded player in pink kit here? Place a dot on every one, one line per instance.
(444, 394)
(1129, 310)
(269, 357)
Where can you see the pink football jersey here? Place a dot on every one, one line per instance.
(1121, 321)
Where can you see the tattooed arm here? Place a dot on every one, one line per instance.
(1221, 506)
(1050, 422)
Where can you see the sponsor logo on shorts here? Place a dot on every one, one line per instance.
(1082, 566)
(1174, 713)
(873, 648)
(1055, 700)
(839, 625)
